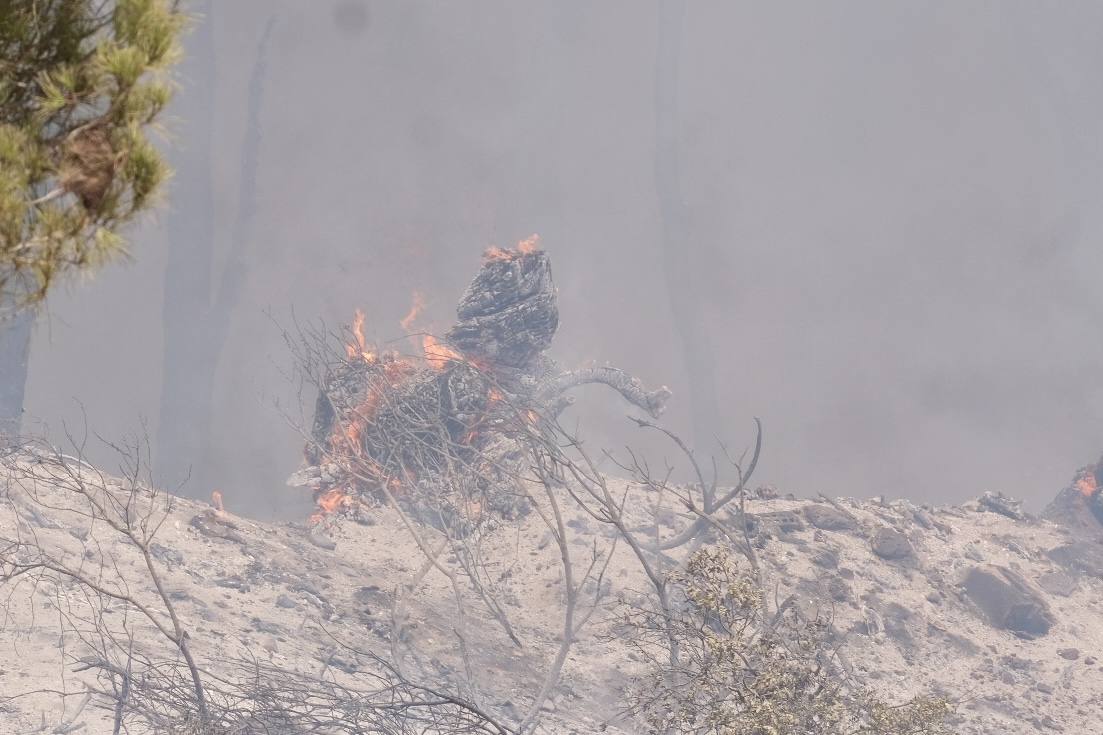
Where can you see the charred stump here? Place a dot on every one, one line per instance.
(508, 315)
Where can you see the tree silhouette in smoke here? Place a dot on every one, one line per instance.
(683, 254)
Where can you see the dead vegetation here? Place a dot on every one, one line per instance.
(464, 451)
(76, 529)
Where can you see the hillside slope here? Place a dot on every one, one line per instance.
(999, 613)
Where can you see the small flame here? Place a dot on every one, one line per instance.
(352, 434)
(495, 253)
(418, 303)
(439, 354)
(216, 501)
(1086, 483)
(358, 348)
(529, 245)
(525, 247)
(331, 501)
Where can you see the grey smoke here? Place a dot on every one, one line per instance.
(891, 206)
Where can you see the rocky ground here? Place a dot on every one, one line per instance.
(981, 603)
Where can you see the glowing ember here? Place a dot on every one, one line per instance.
(1086, 483)
(330, 501)
(416, 306)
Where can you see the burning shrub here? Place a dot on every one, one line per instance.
(445, 434)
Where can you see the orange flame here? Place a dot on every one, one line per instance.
(216, 501)
(529, 245)
(330, 502)
(524, 247)
(1086, 483)
(495, 253)
(439, 354)
(358, 349)
(415, 311)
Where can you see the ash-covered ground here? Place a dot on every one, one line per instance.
(993, 609)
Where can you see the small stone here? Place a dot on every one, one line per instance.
(1069, 653)
(1044, 688)
(1089, 660)
(287, 602)
(934, 597)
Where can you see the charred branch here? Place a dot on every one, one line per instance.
(631, 388)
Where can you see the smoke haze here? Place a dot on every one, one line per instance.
(891, 217)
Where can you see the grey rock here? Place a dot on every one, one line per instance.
(896, 618)
(214, 525)
(782, 522)
(234, 582)
(959, 642)
(888, 543)
(1007, 601)
(1079, 556)
(1070, 654)
(286, 602)
(1000, 503)
(826, 558)
(829, 518)
(838, 590)
(1058, 583)
(322, 541)
(171, 557)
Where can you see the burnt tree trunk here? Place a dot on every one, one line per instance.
(15, 352)
(198, 309)
(508, 315)
(682, 257)
(187, 380)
